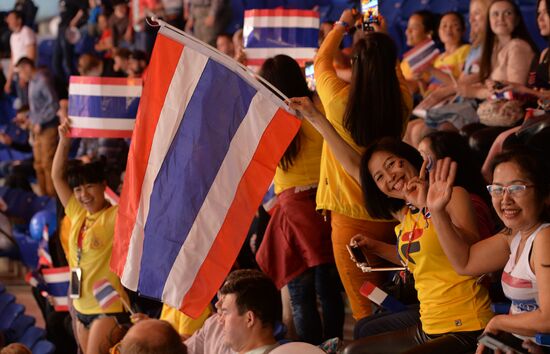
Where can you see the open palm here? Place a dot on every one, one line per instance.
(442, 178)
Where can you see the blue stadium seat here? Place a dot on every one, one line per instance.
(32, 336)
(43, 347)
(9, 315)
(5, 300)
(21, 325)
(28, 249)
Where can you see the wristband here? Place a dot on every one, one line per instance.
(343, 24)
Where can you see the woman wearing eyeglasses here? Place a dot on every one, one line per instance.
(519, 194)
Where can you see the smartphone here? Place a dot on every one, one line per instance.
(356, 254)
(504, 342)
(369, 10)
(310, 77)
(74, 284)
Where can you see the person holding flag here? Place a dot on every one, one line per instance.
(81, 191)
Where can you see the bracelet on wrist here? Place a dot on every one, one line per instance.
(343, 24)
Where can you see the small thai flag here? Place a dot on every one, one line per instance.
(381, 298)
(271, 32)
(103, 107)
(111, 196)
(504, 95)
(105, 294)
(270, 199)
(421, 56)
(57, 286)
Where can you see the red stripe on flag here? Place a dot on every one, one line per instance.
(105, 80)
(281, 12)
(254, 182)
(100, 133)
(165, 59)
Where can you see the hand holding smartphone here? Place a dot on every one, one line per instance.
(369, 10)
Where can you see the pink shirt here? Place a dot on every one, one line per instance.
(209, 339)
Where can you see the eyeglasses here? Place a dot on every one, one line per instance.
(513, 190)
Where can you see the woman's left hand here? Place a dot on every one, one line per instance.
(442, 178)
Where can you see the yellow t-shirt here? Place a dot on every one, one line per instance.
(96, 254)
(453, 63)
(305, 169)
(448, 302)
(182, 323)
(337, 190)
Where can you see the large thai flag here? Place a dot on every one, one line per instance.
(421, 56)
(270, 32)
(207, 140)
(103, 107)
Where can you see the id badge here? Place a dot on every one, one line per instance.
(75, 282)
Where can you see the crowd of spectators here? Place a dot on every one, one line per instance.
(430, 169)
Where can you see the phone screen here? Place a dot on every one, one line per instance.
(357, 254)
(310, 78)
(369, 9)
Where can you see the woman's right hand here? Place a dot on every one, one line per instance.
(360, 240)
(347, 17)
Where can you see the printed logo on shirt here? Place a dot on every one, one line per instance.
(458, 323)
(524, 305)
(410, 243)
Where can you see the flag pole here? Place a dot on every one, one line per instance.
(227, 60)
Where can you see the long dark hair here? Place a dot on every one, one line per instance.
(468, 174)
(375, 106)
(379, 205)
(520, 31)
(285, 74)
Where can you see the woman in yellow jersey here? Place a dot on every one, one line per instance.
(92, 218)
(296, 249)
(376, 103)
(454, 309)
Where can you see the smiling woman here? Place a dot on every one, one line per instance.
(519, 194)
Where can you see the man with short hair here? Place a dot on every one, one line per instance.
(43, 103)
(152, 337)
(22, 44)
(251, 307)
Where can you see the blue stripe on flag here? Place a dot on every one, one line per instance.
(58, 289)
(202, 140)
(418, 57)
(269, 37)
(103, 106)
(105, 292)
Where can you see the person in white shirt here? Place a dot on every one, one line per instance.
(22, 44)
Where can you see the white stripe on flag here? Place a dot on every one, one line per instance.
(377, 296)
(218, 200)
(264, 53)
(426, 59)
(281, 22)
(108, 298)
(185, 79)
(105, 90)
(60, 300)
(102, 123)
(56, 278)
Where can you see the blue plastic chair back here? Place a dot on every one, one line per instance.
(9, 315)
(43, 347)
(5, 300)
(32, 336)
(21, 325)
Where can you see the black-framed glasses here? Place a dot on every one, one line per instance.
(513, 190)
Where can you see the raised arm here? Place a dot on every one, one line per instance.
(455, 223)
(345, 154)
(62, 188)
